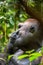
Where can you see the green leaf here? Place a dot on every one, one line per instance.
(22, 56)
(34, 56)
(10, 56)
(30, 51)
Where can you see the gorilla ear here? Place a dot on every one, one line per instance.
(20, 25)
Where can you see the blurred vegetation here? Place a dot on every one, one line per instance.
(11, 13)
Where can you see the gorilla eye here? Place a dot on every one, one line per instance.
(32, 29)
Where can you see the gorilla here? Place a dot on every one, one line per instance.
(28, 36)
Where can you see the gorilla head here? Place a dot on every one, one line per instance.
(28, 36)
(28, 31)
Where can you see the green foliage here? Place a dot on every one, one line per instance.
(11, 13)
(10, 56)
(23, 56)
(31, 3)
(35, 56)
(36, 4)
(31, 56)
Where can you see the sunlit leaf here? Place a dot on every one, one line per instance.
(22, 56)
(30, 51)
(34, 56)
(10, 56)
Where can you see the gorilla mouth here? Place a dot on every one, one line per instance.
(19, 42)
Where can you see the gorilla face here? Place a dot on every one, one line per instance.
(27, 32)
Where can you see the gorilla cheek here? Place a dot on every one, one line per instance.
(18, 41)
(28, 36)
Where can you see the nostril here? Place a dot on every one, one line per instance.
(17, 32)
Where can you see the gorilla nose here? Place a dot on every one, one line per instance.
(14, 34)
